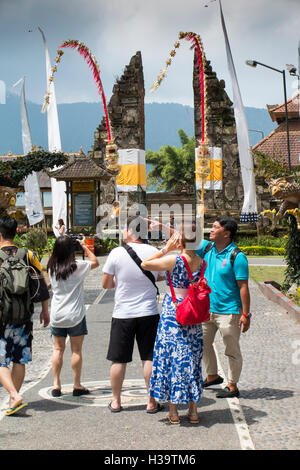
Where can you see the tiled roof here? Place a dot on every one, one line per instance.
(277, 112)
(81, 167)
(275, 144)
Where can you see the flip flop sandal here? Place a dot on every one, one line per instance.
(171, 419)
(14, 410)
(158, 408)
(115, 410)
(193, 418)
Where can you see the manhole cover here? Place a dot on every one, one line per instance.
(133, 393)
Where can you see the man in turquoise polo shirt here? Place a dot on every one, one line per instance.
(229, 303)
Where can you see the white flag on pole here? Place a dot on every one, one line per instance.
(249, 210)
(33, 201)
(299, 87)
(58, 188)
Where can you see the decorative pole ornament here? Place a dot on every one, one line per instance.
(203, 154)
(111, 148)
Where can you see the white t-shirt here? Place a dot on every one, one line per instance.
(135, 295)
(67, 305)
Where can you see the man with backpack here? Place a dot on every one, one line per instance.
(227, 274)
(16, 309)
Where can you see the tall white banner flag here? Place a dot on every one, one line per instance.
(249, 210)
(33, 201)
(299, 87)
(58, 188)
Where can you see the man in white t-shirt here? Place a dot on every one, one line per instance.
(135, 314)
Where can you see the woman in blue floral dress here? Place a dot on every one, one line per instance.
(177, 359)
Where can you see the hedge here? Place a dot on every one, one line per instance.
(262, 250)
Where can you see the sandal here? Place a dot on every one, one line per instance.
(14, 410)
(115, 410)
(173, 418)
(158, 408)
(193, 418)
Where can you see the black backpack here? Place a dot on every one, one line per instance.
(15, 302)
(233, 255)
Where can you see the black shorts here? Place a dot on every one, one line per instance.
(122, 335)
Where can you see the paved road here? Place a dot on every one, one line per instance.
(267, 261)
(270, 390)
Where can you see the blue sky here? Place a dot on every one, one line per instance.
(265, 30)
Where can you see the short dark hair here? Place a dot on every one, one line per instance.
(8, 227)
(229, 224)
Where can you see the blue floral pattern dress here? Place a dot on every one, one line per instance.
(177, 357)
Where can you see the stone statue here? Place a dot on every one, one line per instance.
(286, 189)
(8, 201)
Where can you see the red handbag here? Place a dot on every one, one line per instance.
(194, 309)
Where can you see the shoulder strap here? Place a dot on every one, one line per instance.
(188, 268)
(207, 248)
(21, 253)
(138, 261)
(3, 255)
(172, 289)
(234, 254)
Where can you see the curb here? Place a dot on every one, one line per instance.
(276, 296)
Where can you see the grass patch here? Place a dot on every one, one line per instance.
(267, 273)
(271, 273)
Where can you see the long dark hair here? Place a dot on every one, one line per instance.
(62, 262)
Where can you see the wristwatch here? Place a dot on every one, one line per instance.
(247, 315)
(163, 250)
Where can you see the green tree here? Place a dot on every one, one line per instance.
(12, 172)
(173, 167)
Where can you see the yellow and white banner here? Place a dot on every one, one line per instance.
(214, 180)
(133, 170)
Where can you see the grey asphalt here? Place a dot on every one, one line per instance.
(267, 261)
(269, 403)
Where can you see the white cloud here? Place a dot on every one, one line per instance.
(114, 30)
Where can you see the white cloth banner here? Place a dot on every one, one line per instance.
(249, 210)
(33, 201)
(299, 88)
(58, 188)
(215, 180)
(133, 170)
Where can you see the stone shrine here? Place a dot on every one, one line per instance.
(221, 130)
(127, 119)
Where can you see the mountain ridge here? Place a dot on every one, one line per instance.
(78, 122)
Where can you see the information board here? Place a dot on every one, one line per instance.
(83, 209)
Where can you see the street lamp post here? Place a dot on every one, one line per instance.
(254, 63)
(260, 132)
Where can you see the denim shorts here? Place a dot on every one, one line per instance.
(78, 330)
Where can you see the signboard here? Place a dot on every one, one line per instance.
(85, 186)
(83, 209)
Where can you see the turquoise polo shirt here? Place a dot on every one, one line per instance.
(222, 277)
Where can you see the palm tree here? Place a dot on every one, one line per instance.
(173, 169)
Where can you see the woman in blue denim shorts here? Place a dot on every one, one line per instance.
(67, 317)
